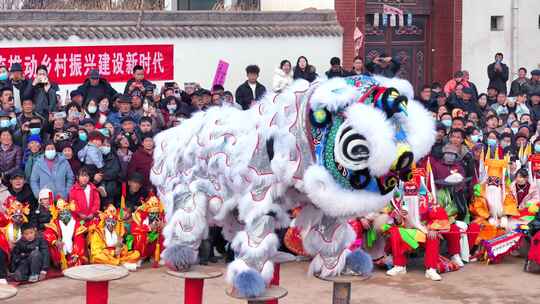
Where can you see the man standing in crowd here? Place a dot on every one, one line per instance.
(519, 85)
(533, 85)
(43, 92)
(18, 83)
(96, 87)
(250, 91)
(336, 70)
(137, 82)
(498, 73)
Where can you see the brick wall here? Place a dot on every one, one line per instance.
(346, 14)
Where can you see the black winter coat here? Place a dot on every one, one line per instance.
(103, 89)
(244, 94)
(498, 79)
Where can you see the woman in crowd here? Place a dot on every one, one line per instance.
(283, 76)
(11, 155)
(303, 70)
(52, 171)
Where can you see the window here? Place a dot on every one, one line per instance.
(196, 4)
(538, 21)
(497, 23)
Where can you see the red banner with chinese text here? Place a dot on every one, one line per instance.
(71, 64)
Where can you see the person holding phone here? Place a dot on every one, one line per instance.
(137, 82)
(43, 92)
(498, 74)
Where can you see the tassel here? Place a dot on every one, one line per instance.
(63, 261)
(123, 198)
(157, 253)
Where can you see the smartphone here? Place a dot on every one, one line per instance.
(170, 84)
(59, 115)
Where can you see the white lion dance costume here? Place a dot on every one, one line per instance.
(337, 148)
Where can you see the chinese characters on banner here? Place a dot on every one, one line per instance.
(71, 64)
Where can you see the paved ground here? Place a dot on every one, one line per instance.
(476, 283)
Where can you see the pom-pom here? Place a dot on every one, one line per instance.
(179, 257)
(249, 284)
(359, 262)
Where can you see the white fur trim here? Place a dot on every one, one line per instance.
(335, 201)
(403, 86)
(379, 133)
(420, 128)
(332, 95)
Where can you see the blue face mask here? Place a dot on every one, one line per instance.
(447, 123)
(83, 136)
(104, 132)
(491, 142)
(50, 154)
(5, 124)
(537, 148)
(3, 76)
(13, 121)
(105, 150)
(475, 138)
(35, 131)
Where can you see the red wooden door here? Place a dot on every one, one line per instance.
(409, 44)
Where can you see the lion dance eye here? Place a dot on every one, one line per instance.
(320, 118)
(351, 149)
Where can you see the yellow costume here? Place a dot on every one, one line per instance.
(103, 243)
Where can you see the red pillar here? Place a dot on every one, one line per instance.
(193, 291)
(97, 292)
(275, 281)
(350, 13)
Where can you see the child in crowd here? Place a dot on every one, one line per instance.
(30, 256)
(85, 196)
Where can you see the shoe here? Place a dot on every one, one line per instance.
(130, 266)
(3, 282)
(396, 270)
(432, 274)
(33, 278)
(456, 258)
(139, 263)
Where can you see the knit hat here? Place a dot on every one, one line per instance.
(44, 193)
(34, 137)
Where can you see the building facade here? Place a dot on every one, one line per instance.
(511, 27)
(200, 39)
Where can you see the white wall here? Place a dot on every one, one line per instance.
(195, 60)
(294, 5)
(480, 43)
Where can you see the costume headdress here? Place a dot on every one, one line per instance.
(61, 205)
(153, 204)
(109, 213)
(14, 207)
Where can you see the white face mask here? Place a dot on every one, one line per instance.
(171, 108)
(92, 109)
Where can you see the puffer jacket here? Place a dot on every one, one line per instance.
(281, 80)
(10, 159)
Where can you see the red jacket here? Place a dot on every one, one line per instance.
(77, 195)
(141, 162)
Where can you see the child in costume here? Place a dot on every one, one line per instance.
(66, 236)
(493, 203)
(107, 242)
(148, 222)
(30, 256)
(11, 222)
(421, 220)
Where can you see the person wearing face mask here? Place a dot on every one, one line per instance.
(95, 87)
(171, 106)
(4, 76)
(446, 120)
(474, 136)
(451, 182)
(91, 111)
(91, 156)
(31, 154)
(109, 185)
(52, 171)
